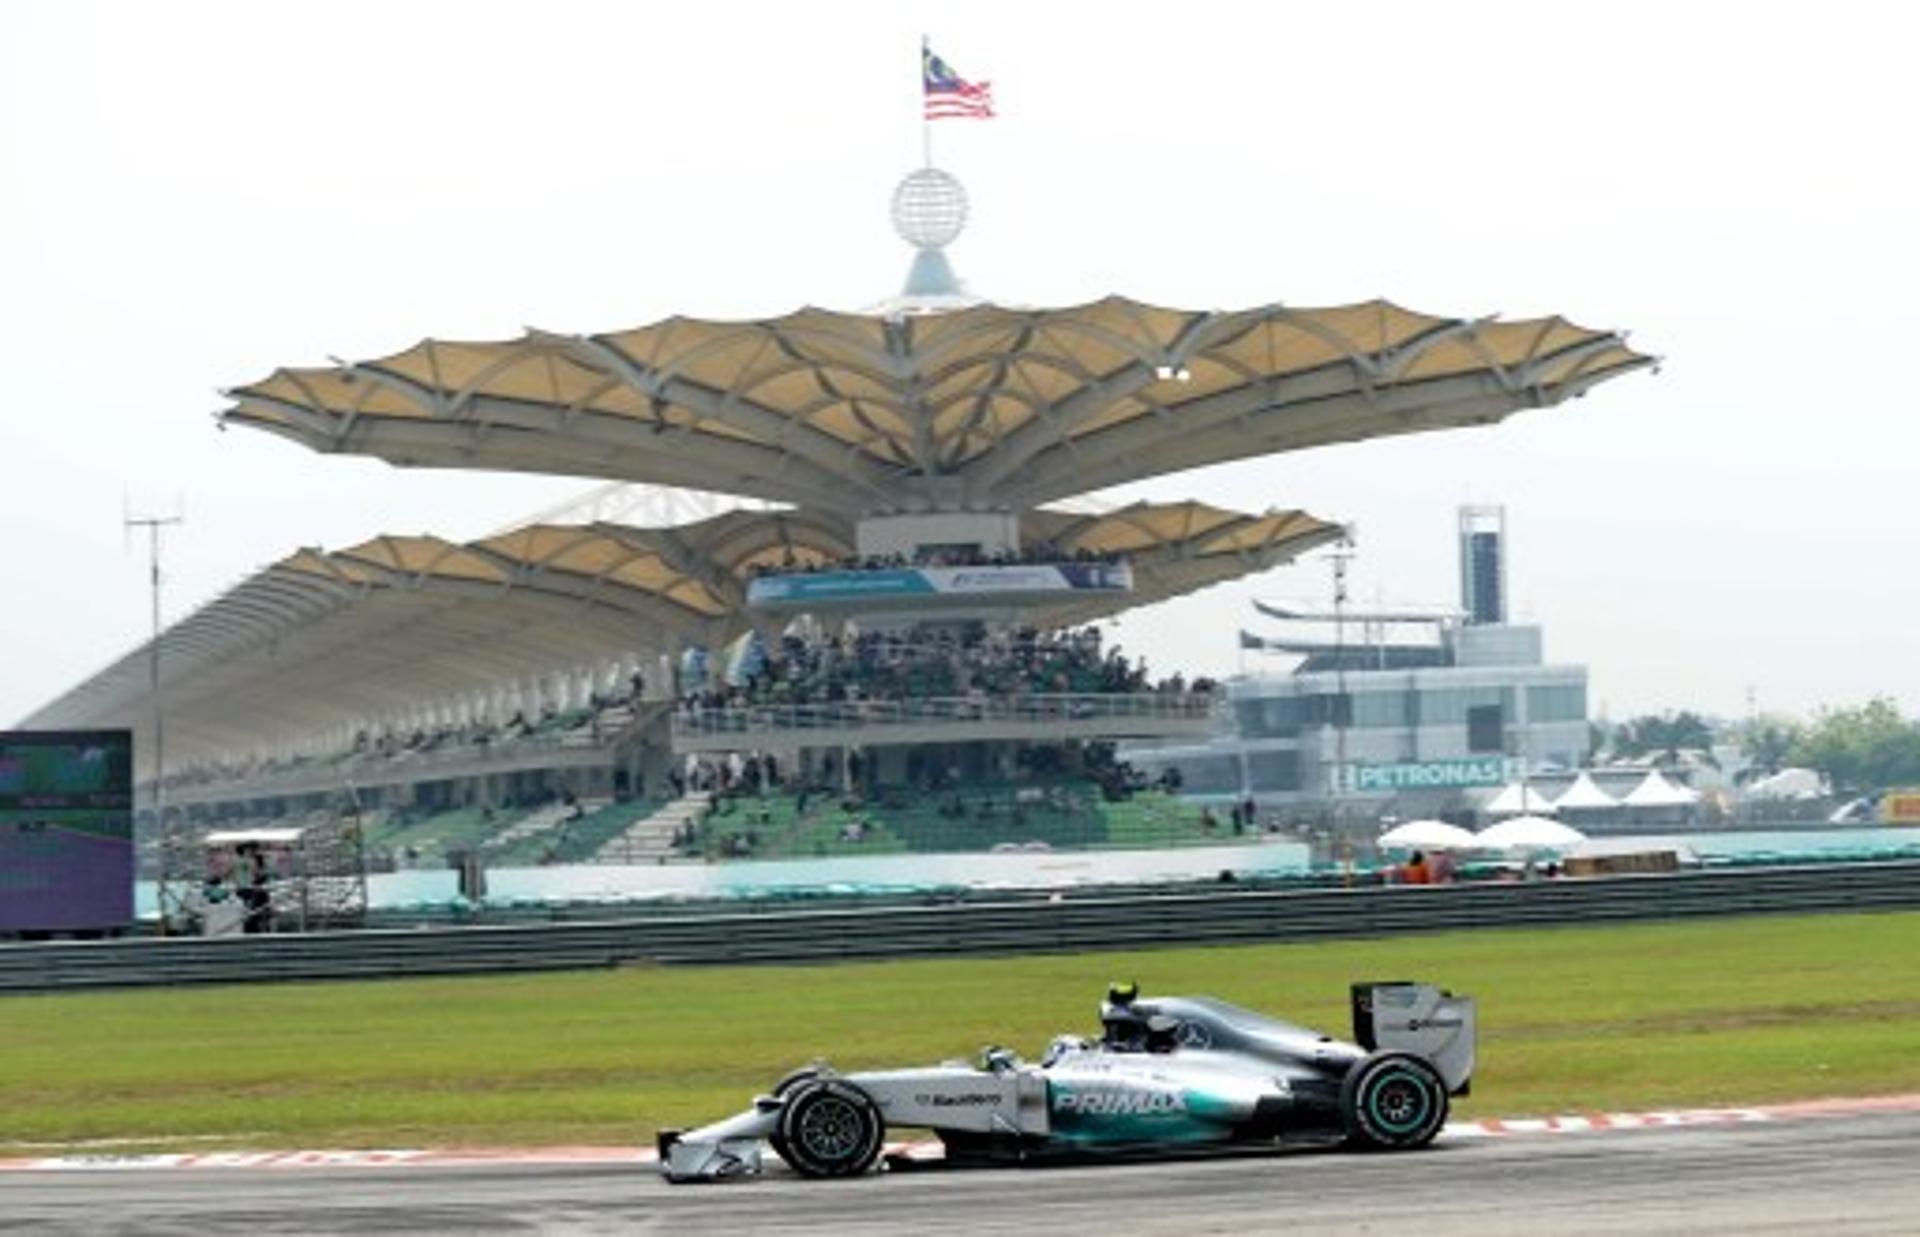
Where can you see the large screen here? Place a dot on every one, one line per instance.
(66, 830)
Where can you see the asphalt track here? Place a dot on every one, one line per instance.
(1840, 1175)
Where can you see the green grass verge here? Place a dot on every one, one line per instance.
(1572, 1019)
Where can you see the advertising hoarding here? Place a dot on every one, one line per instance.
(1433, 774)
(1900, 807)
(66, 830)
(944, 582)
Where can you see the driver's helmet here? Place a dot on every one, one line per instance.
(1123, 1026)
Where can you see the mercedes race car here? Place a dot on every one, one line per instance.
(1170, 1073)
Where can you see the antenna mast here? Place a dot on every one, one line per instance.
(153, 524)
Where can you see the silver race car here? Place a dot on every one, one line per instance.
(1169, 1073)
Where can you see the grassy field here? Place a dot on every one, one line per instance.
(1572, 1019)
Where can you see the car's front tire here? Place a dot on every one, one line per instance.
(1393, 1101)
(829, 1128)
(788, 1081)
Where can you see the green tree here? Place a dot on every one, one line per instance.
(1768, 742)
(1865, 748)
(1663, 736)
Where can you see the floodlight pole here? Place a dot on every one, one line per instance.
(1342, 708)
(153, 525)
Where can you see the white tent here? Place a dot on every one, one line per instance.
(1794, 783)
(1585, 795)
(1517, 799)
(1529, 833)
(1427, 835)
(1657, 791)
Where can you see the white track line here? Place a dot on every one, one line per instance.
(923, 1150)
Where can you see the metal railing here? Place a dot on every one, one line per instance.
(946, 710)
(1078, 923)
(466, 758)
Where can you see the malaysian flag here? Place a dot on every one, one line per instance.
(950, 96)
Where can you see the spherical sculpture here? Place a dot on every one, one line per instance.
(929, 208)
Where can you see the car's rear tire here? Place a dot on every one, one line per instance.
(829, 1128)
(1393, 1101)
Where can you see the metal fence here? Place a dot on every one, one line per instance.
(1075, 924)
(937, 710)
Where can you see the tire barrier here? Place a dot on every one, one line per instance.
(1078, 922)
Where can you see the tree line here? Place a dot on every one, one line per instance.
(1858, 749)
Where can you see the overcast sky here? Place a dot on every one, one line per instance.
(192, 194)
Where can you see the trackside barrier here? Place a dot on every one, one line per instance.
(1079, 922)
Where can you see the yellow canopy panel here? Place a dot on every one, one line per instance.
(1003, 407)
(326, 639)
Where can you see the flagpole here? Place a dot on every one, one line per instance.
(926, 122)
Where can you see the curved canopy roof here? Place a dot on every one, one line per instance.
(398, 623)
(982, 407)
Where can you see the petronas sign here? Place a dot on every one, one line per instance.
(1432, 775)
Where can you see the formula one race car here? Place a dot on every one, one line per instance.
(1168, 1073)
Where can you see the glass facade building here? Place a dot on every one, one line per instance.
(1495, 711)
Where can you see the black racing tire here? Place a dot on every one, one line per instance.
(829, 1128)
(1393, 1101)
(788, 1081)
(793, 1078)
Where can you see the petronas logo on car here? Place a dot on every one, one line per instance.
(1115, 1103)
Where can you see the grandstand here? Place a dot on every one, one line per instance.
(896, 638)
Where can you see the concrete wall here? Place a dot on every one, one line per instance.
(905, 534)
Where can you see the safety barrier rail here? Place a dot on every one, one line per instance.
(1076, 923)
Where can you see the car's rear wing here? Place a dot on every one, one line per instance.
(1421, 1019)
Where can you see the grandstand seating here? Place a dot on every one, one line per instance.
(430, 839)
(1154, 818)
(392, 757)
(532, 829)
(657, 836)
(578, 840)
(1063, 815)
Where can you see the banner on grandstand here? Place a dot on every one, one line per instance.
(66, 830)
(940, 582)
(1432, 775)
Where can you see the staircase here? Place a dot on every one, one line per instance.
(651, 840)
(541, 820)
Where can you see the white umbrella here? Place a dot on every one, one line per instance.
(1516, 799)
(1427, 835)
(1529, 833)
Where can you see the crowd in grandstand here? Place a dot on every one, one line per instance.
(946, 662)
(1030, 783)
(1035, 554)
(953, 663)
(602, 716)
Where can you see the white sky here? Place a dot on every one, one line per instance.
(192, 194)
